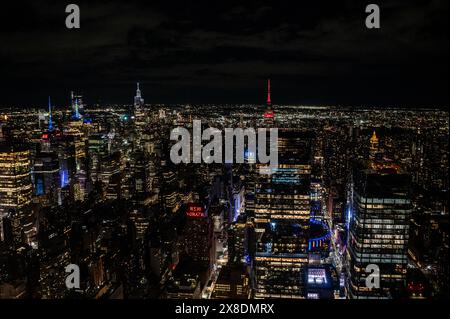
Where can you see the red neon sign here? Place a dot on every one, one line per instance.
(195, 210)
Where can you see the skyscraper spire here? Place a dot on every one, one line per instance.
(269, 100)
(269, 113)
(374, 147)
(50, 120)
(374, 137)
(77, 112)
(138, 100)
(138, 91)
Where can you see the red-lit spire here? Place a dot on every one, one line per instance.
(269, 101)
(269, 114)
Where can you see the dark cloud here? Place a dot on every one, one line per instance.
(221, 51)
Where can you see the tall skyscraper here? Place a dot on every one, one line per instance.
(15, 173)
(138, 100)
(50, 118)
(378, 232)
(374, 147)
(77, 105)
(138, 115)
(16, 187)
(47, 179)
(198, 234)
(97, 148)
(281, 215)
(269, 114)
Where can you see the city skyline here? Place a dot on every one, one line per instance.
(311, 229)
(261, 100)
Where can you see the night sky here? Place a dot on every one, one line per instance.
(316, 52)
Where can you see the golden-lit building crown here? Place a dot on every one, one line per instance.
(374, 137)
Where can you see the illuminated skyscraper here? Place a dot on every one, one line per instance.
(269, 114)
(138, 100)
(378, 232)
(97, 148)
(16, 187)
(47, 179)
(374, 147)
(47, 136)
(140, 166)
(238, 240)
(282, 212)
(15, 177)
(138, 115)
(198, 234)
(72, 151)
(77, 105)
(50, 118)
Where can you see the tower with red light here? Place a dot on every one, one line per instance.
(46, 135)
(269, 114)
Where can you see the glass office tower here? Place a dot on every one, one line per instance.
(281, 215)
(378, 232)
